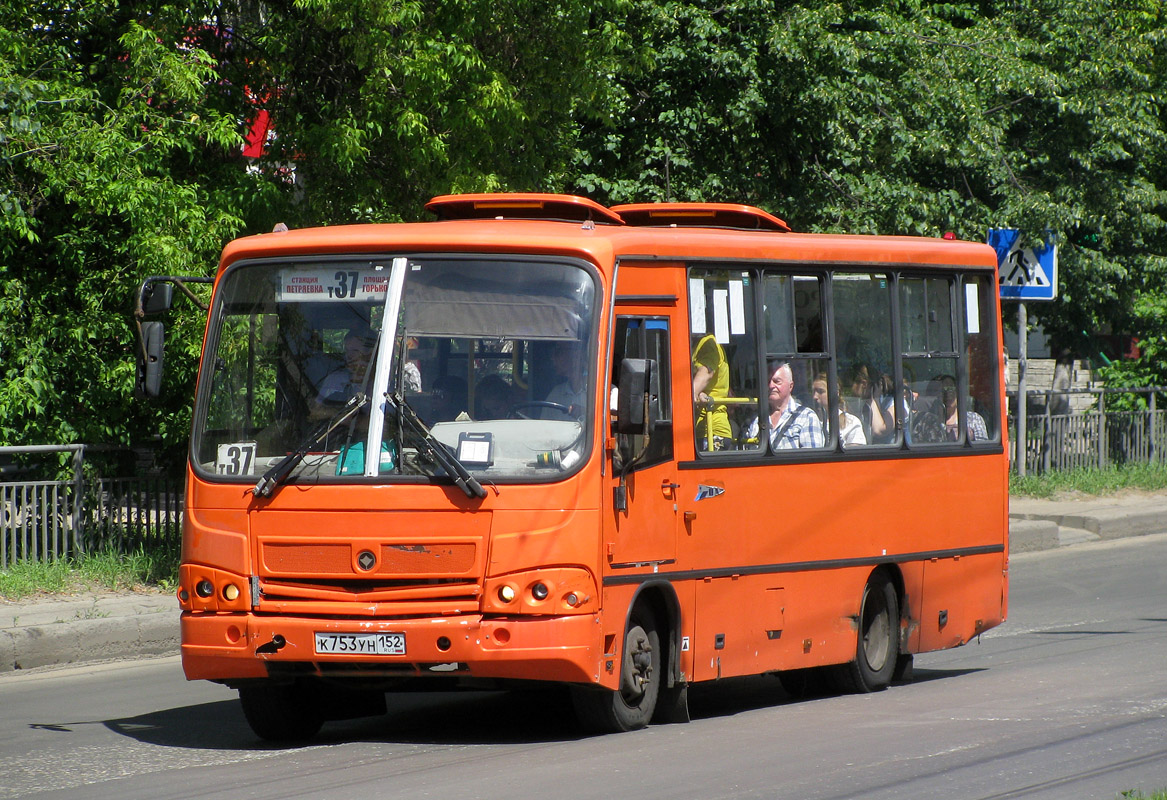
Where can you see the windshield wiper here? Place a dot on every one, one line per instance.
(434, 450)
(279, 472)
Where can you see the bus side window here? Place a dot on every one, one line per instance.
(930, 392)
(646, 337)
(865, 355)
(723, 358)
(796, 356)
(981, 374)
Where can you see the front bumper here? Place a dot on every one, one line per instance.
(236, 647)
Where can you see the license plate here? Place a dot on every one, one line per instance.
(369, 644)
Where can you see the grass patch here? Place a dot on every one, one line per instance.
(1093, 482)
(1137, 795)
(109, 570)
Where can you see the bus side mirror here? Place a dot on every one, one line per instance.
(150, 359)
(638, 377)
(157, 297)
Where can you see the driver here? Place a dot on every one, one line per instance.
(346, 381)
(569, 392)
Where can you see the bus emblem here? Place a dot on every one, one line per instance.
(704, 492)
(366, 560)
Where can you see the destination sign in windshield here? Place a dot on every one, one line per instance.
(329, 284)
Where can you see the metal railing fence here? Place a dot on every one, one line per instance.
(47, 520)
(1094, 438)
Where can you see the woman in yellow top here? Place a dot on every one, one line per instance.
(710, 384)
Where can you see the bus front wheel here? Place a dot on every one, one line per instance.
(632, 705)
(281, 712)
(878, 647)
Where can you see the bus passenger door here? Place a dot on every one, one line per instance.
(643, 476)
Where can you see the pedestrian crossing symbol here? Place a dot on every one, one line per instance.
(1024, 273)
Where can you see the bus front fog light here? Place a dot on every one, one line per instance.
(539, 591)
(230, 592)
(572, 599)
(506, 593)
(204, 589)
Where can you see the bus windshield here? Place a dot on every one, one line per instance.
(386, 368)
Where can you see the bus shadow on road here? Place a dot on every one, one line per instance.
(456, 718)
(928, 675)
(480, 717)
(737, 695)
(207, 726)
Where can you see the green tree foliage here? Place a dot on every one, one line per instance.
(915, 117)
(382, 104)
(121, 126)
(110, 147)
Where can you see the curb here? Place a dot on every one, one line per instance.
(88, 641)
(1114, 525)
(60, 632)
(1032, 535)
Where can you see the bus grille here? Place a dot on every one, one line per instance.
(345, 598)
(336, 558)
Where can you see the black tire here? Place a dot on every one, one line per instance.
(632, 706)
(878, 647)
(282, 712)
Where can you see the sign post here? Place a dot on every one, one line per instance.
(1023, 274)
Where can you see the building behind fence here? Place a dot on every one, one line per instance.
(87, 512)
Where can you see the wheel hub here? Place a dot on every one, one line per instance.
(636, 673)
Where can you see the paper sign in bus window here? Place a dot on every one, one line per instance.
(697, 304)
(972, 309)
(737, 308)
(721, 315)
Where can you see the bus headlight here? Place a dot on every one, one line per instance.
(204, 589)
(558, 590)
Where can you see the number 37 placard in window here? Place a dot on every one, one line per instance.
(331, 284)
(1026, 273)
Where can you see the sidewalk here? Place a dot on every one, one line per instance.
(1046, 524)
(101, 627)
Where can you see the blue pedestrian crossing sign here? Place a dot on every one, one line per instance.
(1024, 273)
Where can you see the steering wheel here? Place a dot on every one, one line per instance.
(516, 413)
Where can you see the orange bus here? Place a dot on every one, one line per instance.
(623, 449)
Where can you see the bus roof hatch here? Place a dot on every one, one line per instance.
(700, 215)
(520, 205)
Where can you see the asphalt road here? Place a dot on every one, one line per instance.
(1066, 700)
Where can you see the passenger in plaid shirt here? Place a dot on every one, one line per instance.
(791, 424)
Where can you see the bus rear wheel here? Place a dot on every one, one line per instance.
(631, 706)
(281, 712)
(878, 647)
